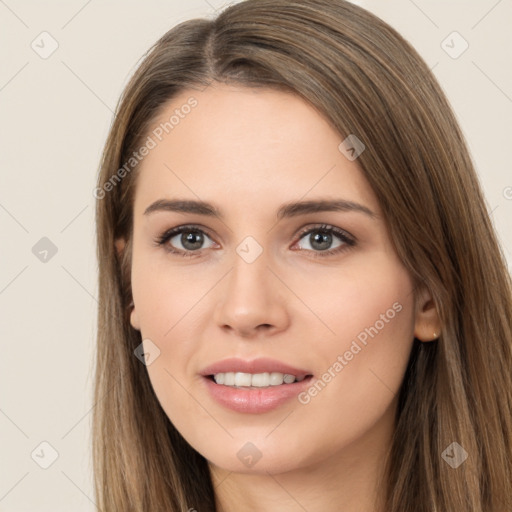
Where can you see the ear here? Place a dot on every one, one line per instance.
(427, 325)
(120, 244)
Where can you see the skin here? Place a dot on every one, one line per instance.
(248, 151)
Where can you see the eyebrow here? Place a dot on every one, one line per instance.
(287, 210)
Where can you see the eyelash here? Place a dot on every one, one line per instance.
(348, 240)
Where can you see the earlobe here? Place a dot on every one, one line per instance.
(134, 319)
(427, 326)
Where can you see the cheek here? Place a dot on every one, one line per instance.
(368, 297)
(372, 314)
(370, 306)
(168, 300)
(172, 307)
(166, 296)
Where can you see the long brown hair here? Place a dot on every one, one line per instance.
(368, 81)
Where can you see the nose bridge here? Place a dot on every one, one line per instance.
(251, 295)
(250, 276)
(249, 260)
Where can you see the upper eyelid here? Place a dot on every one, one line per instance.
(326, 227)
(172, 232)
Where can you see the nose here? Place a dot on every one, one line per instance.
(252, 300)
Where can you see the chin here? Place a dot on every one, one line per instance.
(258, 455)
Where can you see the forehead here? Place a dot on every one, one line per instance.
(250, 145)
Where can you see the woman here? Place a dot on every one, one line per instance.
(303, 304)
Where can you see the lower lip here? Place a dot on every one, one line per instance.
(254, 400)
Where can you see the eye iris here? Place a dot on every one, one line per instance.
(192, 240)
(324, 239)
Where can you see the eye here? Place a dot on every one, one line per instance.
(188, 240)
(320, 240)
(184, 240)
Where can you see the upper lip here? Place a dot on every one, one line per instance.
(260, 365)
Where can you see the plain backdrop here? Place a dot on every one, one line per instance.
(56, 110)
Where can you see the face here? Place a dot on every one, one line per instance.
(251, 282)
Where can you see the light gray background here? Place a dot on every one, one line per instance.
(55, 115)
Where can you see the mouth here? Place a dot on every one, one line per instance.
(256, 386)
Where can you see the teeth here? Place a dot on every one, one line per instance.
(229, 379)
(260, 380)
(243, 379)
(257, 380)
(276, 378)
(288, 379)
